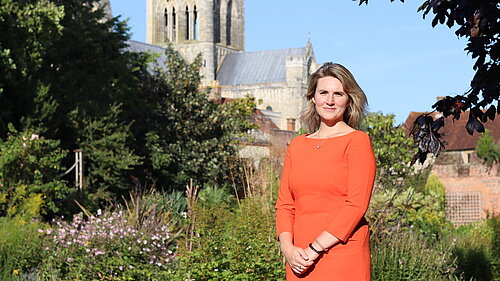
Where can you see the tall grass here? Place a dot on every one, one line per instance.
(20, 248)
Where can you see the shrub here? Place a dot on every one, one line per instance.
(477, 250)
(487, 149)
(108, 247)
(30, 184)
(20, 247)
(409, 255)
(419, 205)
(233, 244)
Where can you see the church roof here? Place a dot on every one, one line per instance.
(256, 67)
(138, 47)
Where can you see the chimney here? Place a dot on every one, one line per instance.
(290, 124)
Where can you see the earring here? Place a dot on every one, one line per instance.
(312, 99)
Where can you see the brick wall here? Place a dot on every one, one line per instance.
(464, 174)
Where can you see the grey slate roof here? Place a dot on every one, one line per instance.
(136, 46)
(255, 67)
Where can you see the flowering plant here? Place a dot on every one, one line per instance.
(107, 246)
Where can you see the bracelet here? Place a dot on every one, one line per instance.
(312, 248)
(317, 242)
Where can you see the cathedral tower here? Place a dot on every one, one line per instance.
(213, 28)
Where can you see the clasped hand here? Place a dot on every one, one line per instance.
(299, 259)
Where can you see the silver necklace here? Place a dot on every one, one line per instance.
(319, 145)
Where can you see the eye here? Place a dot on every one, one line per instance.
(323, 92)
(340, 94)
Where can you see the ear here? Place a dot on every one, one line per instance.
(313, 100)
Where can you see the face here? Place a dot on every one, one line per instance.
(330, 100)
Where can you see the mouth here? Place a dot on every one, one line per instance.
(329, 109)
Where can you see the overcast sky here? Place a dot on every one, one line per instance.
(399, 60)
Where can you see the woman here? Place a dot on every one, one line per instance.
(326, 184)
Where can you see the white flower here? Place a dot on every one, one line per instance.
(34, 137)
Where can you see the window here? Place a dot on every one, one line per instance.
(174, 25)
(187, 24)
(228, 22)
(217, 21)
(195, 27)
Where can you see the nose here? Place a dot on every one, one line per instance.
(330, 99)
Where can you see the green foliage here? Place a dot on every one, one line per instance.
(239, 245)
(75, 73)
(213, 196)
(477, 250)
(419, 207)
(187, 136)
(20, 247)
(393, 150)
(409, 255)
(30, 166)
(487, 149)
(107, 156)
(27, 28)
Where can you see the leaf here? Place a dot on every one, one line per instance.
(437, 124)
(474, 124)
(423, 6)
(490, 113)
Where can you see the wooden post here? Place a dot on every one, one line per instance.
(78, 169)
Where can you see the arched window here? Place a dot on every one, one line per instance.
(187, 23)
(217, 21)
(195, 27)
(174, 25)
(228, 22)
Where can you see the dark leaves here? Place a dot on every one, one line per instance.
(366, 1)
(474, 124)
(425, 133)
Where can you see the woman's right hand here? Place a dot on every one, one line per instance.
(297, 258)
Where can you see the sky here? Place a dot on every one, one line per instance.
(398, 59)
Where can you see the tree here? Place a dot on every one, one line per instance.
(478, 22)
(27, 29)
(66, 78)
(391, 147)
(30, 169)
(487, 149)
(188, 136)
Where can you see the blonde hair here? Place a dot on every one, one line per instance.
(354, 113)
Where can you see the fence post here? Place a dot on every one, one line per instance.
(78, 169)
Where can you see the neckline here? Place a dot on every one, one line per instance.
(334, 137)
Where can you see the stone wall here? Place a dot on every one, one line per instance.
(284, 98)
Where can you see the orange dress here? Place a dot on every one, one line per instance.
(328, 188)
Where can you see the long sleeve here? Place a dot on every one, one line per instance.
(285, 204)
(361, 169)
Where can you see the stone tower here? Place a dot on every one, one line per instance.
(213, 28)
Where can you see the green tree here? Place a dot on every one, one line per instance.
(107, 154)
(78, 76)
(30, 169)
(28, 28)
(188, 135)
(487, 149)
(392, 149)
